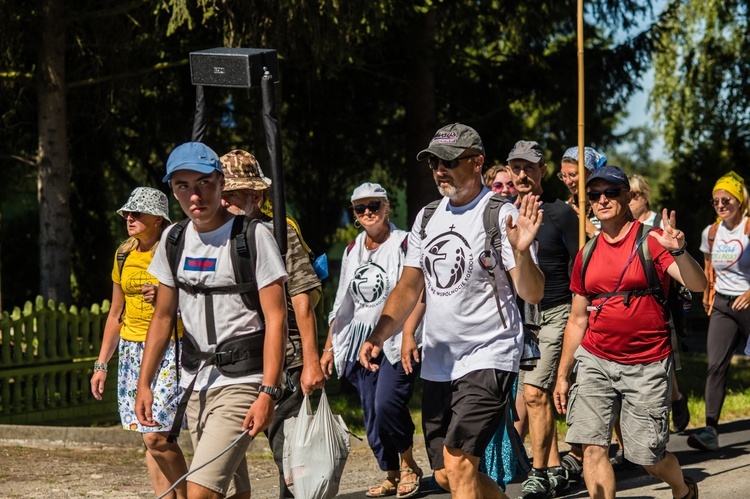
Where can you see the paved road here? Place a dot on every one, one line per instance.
(721, 474)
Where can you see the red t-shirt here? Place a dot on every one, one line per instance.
(633, 334)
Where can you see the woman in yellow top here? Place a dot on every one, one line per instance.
(133, 294)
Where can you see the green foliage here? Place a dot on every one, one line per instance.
(637, 158)
(700, 98)
(352, 107)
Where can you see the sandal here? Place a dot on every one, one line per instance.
(410, 481)
(385, 489)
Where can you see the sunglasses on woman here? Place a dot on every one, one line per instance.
(722, 201)
(135, 214)
(498, 186)
(611, 193)
(433, 161)
(373, 206)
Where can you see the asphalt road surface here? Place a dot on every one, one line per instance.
(721, 474)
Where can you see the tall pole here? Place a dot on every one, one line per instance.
(581, 134)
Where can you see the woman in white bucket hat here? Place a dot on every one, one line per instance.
(133, 295)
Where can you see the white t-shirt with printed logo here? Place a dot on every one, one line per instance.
(367, 278)
(730, 258)
(463, 331)
(206, 259)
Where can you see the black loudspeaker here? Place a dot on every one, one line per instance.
(232, 67)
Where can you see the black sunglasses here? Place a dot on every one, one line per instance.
(433, 161)
(373, 206)
(135, 214)
(611, 193)
(722, 201)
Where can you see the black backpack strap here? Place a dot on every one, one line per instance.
(493, 247)
(657, 292)
(121, 257)
(175, 245)
(427, 213)
(652, 278)
(243, 258)
(244, 255)
(588, 250)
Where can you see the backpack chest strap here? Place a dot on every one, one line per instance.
(208, 292)
(655, 292)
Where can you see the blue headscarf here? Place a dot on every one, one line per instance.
(592, 160)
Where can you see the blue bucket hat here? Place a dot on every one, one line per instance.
(194, 156)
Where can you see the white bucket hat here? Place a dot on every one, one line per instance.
(147, 200)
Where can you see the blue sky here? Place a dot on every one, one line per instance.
(638, 110)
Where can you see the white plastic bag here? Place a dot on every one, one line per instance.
(315, 450)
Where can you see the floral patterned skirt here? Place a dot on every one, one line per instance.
(165, 388)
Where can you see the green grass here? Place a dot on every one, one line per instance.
(691, 380)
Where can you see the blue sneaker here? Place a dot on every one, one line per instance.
(706, 439)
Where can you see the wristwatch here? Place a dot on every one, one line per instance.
(275, 392)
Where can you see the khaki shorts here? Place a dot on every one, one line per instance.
(544, 374)
(638, 393)
(215, 418)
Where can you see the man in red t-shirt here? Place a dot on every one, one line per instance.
(622, 345)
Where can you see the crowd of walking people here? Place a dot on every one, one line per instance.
(487, 299)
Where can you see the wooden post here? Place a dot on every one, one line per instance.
(581, 134)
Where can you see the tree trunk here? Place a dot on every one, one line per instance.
(53, 183)
(420, 113)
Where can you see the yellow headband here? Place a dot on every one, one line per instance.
(732, 183)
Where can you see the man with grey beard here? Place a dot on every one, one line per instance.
(473, 332)
(244, 194)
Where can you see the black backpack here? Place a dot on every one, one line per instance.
(237, 356)
(491, 221)
(243, 254)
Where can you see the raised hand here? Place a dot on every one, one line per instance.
(521, 235)
(671, 239)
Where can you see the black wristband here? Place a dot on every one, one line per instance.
(679, 251)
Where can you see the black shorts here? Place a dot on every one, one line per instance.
(464, 413)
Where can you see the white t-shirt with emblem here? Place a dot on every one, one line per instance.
(367, 278)
(206, 259)
(730, 258)
(463, 331)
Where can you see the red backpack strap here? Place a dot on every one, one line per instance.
(349, 247)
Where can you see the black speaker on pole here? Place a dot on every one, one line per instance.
(233, 67)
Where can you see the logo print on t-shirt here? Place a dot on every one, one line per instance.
(200, 264)
(370, 285)
(727, 253)
(132, 287)
(447, 263)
